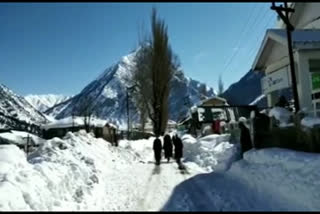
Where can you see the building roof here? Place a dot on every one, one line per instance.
(301, 39)
(76, 121)
(213, 98)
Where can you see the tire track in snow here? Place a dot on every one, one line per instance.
(148, 190)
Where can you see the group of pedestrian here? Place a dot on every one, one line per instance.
(168, 145)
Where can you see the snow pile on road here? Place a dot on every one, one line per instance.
(20, 138)
(78, 172)
(281, 114)
(213, 152)
(270, 179)
(290, 177)
(310, 121)
(142, 148)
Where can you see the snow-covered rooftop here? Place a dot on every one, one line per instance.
(301, 38)
(299, 35)
(213, 98)
(19, 137)
(76, 121)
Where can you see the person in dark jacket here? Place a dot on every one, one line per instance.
(174, 140)
(178, 149)
(245, 138)
(167, 147)
(157, 147)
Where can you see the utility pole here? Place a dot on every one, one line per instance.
(128, 112)
(289, 28)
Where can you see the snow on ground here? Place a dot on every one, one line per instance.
(281, 114)
(80, 172)
(212, 153)
(270, 179)
(310, 121)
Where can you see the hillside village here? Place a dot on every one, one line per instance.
(252, 147)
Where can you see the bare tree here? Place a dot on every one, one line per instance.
(154, 67)
(220, 86)
(86, 111)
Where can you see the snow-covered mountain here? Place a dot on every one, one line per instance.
(109, 92)
(246, 91)
(45, 101)
(13, 105)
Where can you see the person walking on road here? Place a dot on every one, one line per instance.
(157, 147)
(245, 139)
(178, 149)
(167, 147)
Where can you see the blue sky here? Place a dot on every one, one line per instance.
(61, 47)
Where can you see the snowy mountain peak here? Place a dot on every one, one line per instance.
(109, 94)
(13, 105)
(45, 101)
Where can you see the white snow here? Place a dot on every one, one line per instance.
(281, 114)
(310, 121)
(80, 172)
(16, 106)
(257, 99)
(20, 138)
(212, 152)
(45, 101)
(76, 121)
(108, 92)
(265, 180)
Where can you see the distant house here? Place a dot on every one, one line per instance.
(107, 131)
(24, 140)
(214, 101)
(272, 58)
(100, 128)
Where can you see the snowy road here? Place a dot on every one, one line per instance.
(150, 186)
(83, 173)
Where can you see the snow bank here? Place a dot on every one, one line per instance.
(74, 173)
(281, 114)
(213, 152)
(288, 176)
(310, 121)
(141, 148)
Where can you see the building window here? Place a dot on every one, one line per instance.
(314, 65)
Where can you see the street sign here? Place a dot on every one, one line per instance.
(275, 81)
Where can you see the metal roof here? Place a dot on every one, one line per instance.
(301, 39)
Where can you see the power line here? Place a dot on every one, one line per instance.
(258, 30)
(255, 49)
(239, 41)
(242, 32)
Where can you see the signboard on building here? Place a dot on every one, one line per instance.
(275, 81)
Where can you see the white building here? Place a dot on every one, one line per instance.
(272, 57)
